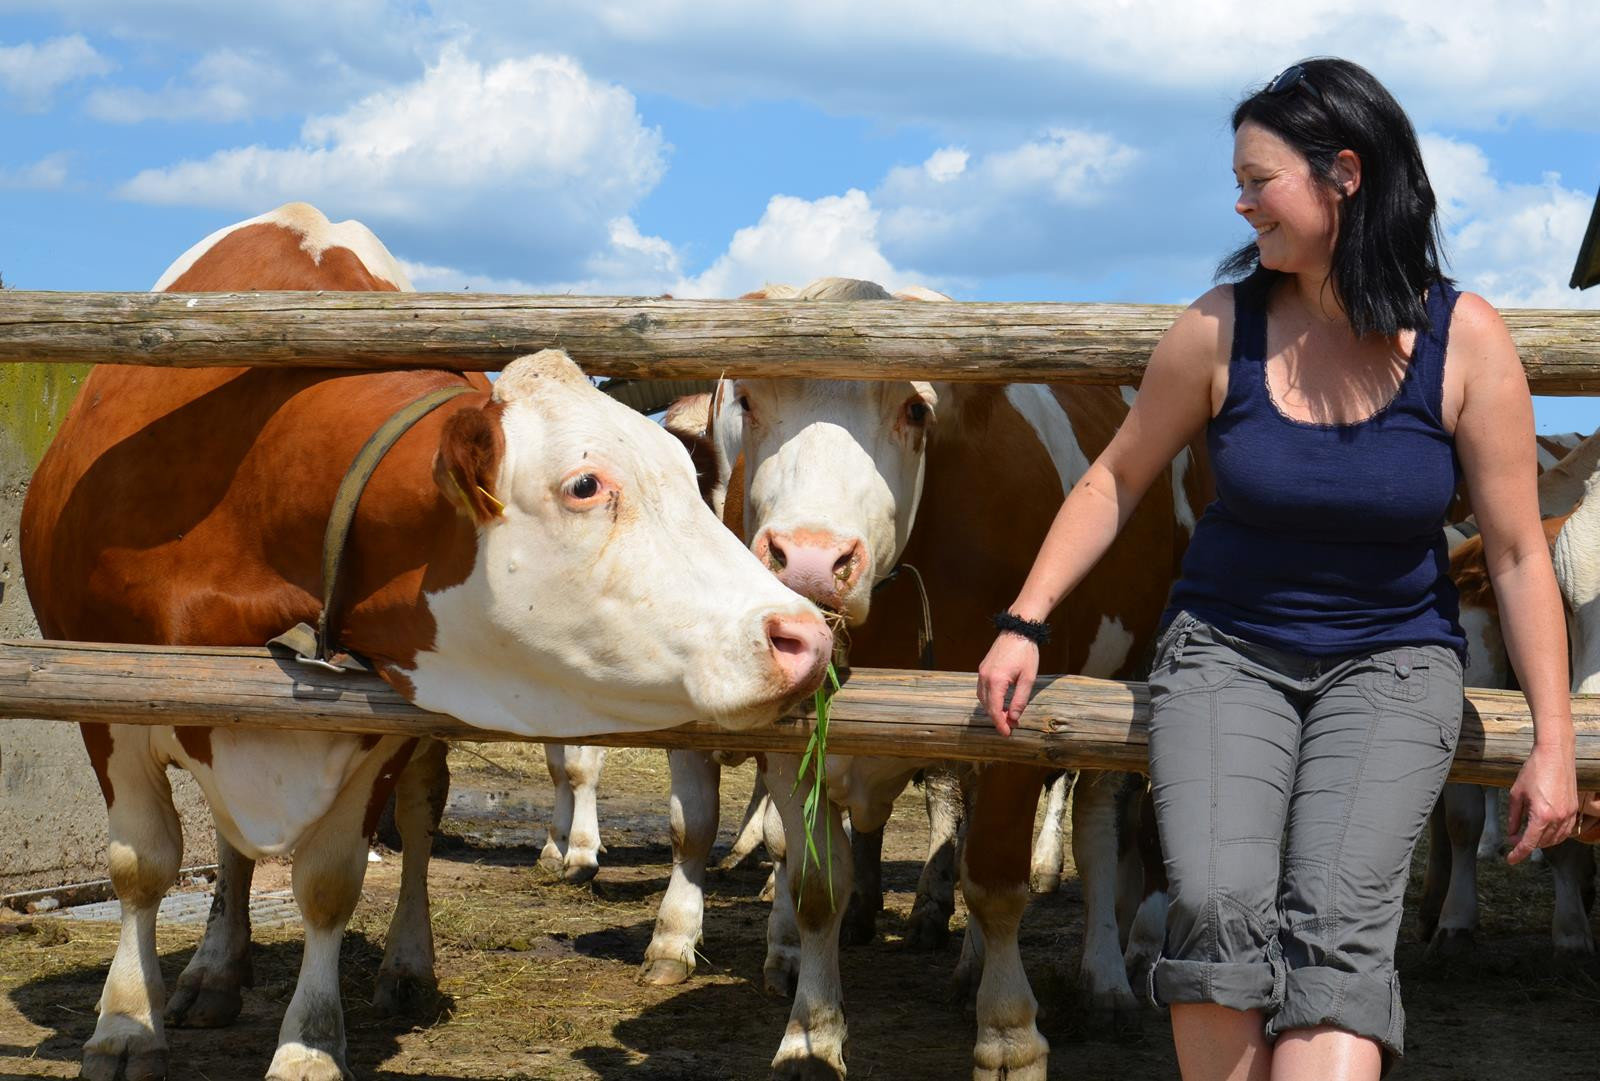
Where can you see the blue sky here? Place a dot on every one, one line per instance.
(1063, 150)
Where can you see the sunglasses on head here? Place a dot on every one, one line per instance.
(1290, 77)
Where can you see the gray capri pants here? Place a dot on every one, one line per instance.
(1332, 764)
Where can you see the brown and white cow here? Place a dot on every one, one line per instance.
(824, 489)
(1465, 825)
(532, 558)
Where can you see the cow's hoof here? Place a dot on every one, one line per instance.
(195, 1004)
(1044, 881)
(859, 925)
(1574, 954)
(1010, 1055)
(577, 874)
(665, 971)
(1450, 944)
(552, 859)
(927, 928)
(1112, 1015)
(128, 1065)
(809, 1068)
(780, 976)
(397, 993)
(297, 1062)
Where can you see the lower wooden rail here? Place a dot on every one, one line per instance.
(1072, 721)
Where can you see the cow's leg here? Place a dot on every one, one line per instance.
(694, 809)
(944, 792)
(1149, 931)
(1130, 867)
(777, 845)
(207, 994)
(1048, 853)
(1572, 866)
(1436, 872)
(573, 847)
(1103, 979)
(406, 976)
(330, 860)
(146, 845)
(1494, 834)
(994, 880)
(860, 921)
(813, 1041)
(751, 827)
(1460, 812)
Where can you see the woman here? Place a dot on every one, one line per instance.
(1307, 684)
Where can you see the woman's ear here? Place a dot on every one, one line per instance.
(1347, 172)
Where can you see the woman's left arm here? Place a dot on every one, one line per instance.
(1494, 438)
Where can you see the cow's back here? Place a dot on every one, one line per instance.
(993, 488)
(188, 506)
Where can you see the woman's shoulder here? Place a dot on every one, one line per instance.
(1201, 337)
(1480, 346)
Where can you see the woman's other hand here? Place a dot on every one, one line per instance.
(1012, 662)
(1588, 818)
(1544, 800)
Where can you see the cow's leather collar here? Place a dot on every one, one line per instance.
(318, 647)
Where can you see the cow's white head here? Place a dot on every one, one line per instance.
(604, 594)
(832, 468)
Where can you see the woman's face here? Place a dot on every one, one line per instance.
(1296, 219)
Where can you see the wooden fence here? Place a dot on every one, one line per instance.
(931, 715)
(673, 339)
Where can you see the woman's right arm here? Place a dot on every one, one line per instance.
(1182, 385)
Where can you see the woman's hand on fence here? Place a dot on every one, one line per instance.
(1544, 800)
(1013, 662)
(1588, 818)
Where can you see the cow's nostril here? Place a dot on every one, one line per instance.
(782, 643)
(777, 558)
(843, 565)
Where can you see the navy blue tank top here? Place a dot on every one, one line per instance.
(1327, 539)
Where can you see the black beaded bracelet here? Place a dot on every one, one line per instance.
(1035, 631)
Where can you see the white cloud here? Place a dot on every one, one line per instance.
(1513, 243)
(32, 73)
(224, 85)
(46, 174)
(1473, 61)
(946, 164)
(798, 240)
(630, 264)
(1011, 206)
(528, 159)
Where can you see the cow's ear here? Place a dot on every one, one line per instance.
(468, 461)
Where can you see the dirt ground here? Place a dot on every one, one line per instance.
(537, 978)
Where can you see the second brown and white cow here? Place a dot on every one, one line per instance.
(822, 478)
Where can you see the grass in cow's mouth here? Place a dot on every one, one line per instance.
(816, 759)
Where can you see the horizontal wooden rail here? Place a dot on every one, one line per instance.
(656, 338)
(925, 715)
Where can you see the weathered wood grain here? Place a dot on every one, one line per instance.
(656, 338)
(925, 715)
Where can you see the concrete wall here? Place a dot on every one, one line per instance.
(52, 817)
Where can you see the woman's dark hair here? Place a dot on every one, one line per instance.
(1387, 252)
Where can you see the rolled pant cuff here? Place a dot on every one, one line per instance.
(1366, 1005)
(1238, 985)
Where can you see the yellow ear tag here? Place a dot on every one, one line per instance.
(499, 507)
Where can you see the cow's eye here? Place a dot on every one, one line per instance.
(917, 412)
(583, 487)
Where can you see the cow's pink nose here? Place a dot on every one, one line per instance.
(801, 645)
(819, 566)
